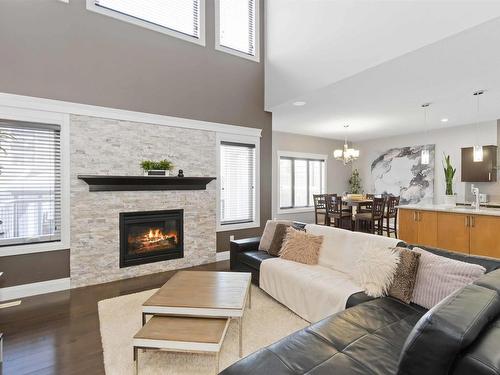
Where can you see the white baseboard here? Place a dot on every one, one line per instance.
(223, 255)
(26, 290)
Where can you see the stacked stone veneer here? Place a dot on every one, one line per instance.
(105, 146)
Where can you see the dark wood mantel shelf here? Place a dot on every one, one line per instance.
(143, 183)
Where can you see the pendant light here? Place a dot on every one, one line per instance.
(425, 156)
(477, 149)
(346, 155)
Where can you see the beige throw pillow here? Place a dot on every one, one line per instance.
(301, 246)
(405, 276)
(267, 236)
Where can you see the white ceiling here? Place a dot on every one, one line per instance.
(373, 63)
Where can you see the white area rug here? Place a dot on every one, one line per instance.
(120, 318)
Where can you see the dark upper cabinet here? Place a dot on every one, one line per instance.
(484, 171)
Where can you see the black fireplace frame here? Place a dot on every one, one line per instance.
(127, 260)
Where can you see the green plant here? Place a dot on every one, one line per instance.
(161, 165)
(449, 173)
(355, 182)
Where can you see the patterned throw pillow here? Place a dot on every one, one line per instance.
(267, 236)
(405, 276)
(301, 246)
(277, 242)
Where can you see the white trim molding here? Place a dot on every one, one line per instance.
(58, 106)
(234, 52)
(248, 140)
(220, 256)
(33, 289)
(61, 119)
(200, 40)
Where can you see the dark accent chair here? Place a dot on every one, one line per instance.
(371, 221)
(384, 336)
(391, 216)
(336, 214)
(320, 209)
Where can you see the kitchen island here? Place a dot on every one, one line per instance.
(458, 228)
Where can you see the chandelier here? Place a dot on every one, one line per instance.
(346, 155)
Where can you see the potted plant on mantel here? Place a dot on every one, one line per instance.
(450, 199)
(157, 168)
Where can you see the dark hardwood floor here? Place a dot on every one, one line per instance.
(58, 333)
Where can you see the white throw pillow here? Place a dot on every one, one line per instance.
(438, 277)
(268, 234)
(374, 269)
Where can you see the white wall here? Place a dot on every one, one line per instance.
(449, 141)
(336, 173)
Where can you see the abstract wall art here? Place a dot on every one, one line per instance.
(399, 171)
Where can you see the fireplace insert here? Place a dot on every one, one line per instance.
(150, 236)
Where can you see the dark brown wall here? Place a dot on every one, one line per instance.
(32, 268)
(54, 50)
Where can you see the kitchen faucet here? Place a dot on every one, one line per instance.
(475, 192)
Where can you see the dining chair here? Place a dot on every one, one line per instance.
(320, 209)
(371, 221)
(366, 207)
(391, 215)
(336, 214)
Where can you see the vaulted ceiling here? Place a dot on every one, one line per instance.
(373, 63)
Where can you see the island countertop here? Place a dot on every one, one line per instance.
(452, 209)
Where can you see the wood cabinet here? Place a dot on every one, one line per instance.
(485, 235)
(453, 232)
(483, 171)
(466, 233)
(418, 227)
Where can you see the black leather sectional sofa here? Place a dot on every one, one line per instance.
(460, 335)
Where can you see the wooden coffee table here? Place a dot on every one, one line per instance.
(181, 334)
(203, 294)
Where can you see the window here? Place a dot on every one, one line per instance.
(30, 188)
(299, 179)
(237, 27)
(238, 184)
(180, 18)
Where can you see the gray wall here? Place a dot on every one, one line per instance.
(337, 174)
(448, 141)
(62, 51)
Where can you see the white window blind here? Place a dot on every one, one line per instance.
(30, 183)
(237, 173)
(179, 15)
(237, 25)
(300, 179)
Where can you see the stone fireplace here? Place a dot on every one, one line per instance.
(114, 147)
(150, 236)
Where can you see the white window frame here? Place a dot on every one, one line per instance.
(91, 6)
(300, 155)
(17, 114)
(224, 137)
(234, 52)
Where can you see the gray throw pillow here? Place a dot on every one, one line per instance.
(405, 276)
(267, 236)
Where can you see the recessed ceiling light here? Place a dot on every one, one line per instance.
(299, 104)
(444, 120)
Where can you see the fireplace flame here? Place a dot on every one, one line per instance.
(157, 235)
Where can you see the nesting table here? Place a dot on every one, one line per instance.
(197, 297)
(181, 334)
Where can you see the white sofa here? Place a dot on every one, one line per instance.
(315, 292)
